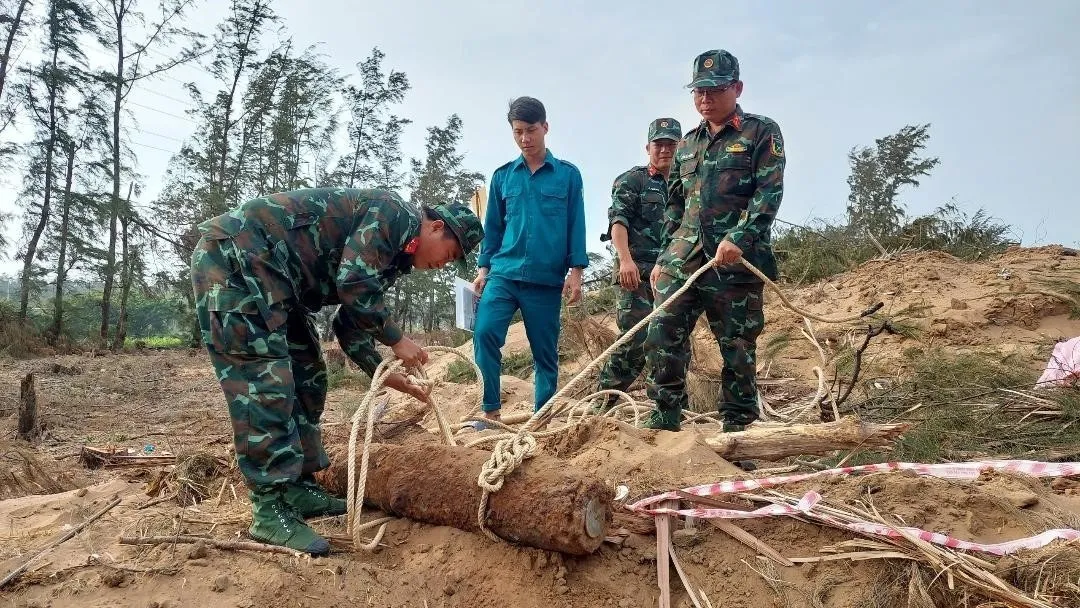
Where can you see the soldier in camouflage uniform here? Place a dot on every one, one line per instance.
(727, 183)
(635, 220)
(259, 272)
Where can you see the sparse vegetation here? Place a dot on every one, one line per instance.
(969, 405)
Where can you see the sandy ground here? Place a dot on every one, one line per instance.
(167, 403)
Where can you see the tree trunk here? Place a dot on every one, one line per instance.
(543, 503)
(28, 421)
(125, 276)
(61, 264)
(776, 443)
(196, 331)
(114, 212)
(5, 59)
(43, 221)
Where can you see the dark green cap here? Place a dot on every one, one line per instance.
(463, 223)
(665, 128)
(714, 68)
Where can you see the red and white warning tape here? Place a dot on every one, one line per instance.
(805, 506)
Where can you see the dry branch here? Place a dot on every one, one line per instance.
(59, 540)
(229, 545)
(775, 443)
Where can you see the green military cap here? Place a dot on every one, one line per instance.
(463, 223)
(714, 68)
(665, 128)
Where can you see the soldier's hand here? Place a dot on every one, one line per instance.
(410, 353)
(653, 277)
(400, 383)
(727, 253)
(629, 275)
(480, 280)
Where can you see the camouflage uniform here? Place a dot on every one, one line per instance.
(725, 186)
(260, 271)
(638, 199)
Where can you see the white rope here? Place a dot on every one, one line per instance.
(355, 498)
(513, 448)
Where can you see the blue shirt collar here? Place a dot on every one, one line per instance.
(549, 159)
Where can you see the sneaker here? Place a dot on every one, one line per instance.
(274, 522)
(309, 499)
(663, 420)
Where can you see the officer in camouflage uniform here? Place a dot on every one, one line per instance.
(727, 183)
(259, 272)
(638, 199)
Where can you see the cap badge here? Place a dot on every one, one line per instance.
(708, 63)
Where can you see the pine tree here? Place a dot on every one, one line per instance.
(439, 178)
(368, 105)
(117, 18)
(878, 174)
(46, 89)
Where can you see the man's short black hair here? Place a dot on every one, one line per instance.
(526, 109)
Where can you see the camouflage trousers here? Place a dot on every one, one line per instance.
(273, 374)
(628, 360)
(736, 318)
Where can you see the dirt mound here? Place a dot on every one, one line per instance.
(645, 461)
(1022, 301)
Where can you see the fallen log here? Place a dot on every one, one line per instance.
(777, 442)
(543, 503)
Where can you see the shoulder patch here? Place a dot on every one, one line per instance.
(776, 145)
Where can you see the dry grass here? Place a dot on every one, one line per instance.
(587, 335)
(195, 477)
(1051, 574)
(23, 473)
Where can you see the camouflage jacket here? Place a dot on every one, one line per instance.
(726, 186)
(638, 199)
(322, 246)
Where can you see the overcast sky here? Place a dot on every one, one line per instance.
(999, 83)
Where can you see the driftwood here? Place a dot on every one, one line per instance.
(775, 443)
(121, 457)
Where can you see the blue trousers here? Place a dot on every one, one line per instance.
(540, 306)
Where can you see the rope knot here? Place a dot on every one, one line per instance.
(505, 457)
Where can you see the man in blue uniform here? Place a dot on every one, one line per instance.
(534, 234)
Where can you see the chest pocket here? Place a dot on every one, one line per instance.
(735, 161)
(688, 174)
(652, 207)
(553, 201)
(513, 198)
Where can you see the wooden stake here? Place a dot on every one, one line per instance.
(663, 553)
